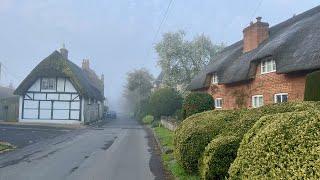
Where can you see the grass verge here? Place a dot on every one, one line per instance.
(5, 147)
(165, 137)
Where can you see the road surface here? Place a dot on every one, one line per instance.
(118, 150)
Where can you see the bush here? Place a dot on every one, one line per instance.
(218, 156)
(197, 102)
(147, 119)
(281, 146)
(155, 124)
(165, 102)
(195, 133)
(312, 89)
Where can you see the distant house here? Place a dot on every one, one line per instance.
(58, 91)
(268, 66)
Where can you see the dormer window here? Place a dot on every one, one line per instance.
(268, 66)
(214, 79)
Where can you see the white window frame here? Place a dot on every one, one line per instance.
(48, 84)
(264, 66)
(280, 94)
(214, 78)
(253, 102)
(220, 104)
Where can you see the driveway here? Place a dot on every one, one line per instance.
(23, 135)
(118, 150)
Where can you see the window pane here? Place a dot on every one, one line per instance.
(278, 99)
(285, 98)
(48, 84)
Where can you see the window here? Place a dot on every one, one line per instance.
(214, 79)
(257, 101)
(89, 101)
(281, 97)
(218, 103)
(48, 84)
(268, 66)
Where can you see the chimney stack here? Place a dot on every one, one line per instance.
(64, 52)
(255, 34)
(85, 64)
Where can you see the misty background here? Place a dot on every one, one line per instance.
(119, 35)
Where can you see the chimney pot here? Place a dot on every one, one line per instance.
(64, 51)
(259, 19)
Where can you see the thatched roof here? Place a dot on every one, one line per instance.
(294, 45)
(55, 65)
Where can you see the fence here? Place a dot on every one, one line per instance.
(169, 123)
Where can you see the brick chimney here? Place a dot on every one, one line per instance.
(64, 51)
(255, 34)
(86, 64)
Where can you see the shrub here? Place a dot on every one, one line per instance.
(165, 102)
(218, 156)
(195, 133)
(148, 119)
(197, 102)
(155, 124)
(312, 89)
(281, 146)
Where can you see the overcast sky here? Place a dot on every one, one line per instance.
(117, 35)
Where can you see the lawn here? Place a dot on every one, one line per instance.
(166, 139)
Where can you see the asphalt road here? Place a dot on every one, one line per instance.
(118, 150)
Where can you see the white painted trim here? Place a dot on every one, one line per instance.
(220, 107)
(49, 121)
(267, 72)
(281, 94)
(20, 107)
(82, 109)
(256, 96)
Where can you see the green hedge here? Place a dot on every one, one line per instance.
(312, 89)
(197, 102)
(217, 157)
(147, 119)
(197, 131)
(280, 146)
(165, 102)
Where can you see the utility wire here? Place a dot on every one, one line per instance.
(256, 10)
(164, 18)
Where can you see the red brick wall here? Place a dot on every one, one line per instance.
(235, 95)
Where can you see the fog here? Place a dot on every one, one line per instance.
(118, 35)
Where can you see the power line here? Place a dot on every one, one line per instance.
(164, 18)
(162, 21)
(256, 10)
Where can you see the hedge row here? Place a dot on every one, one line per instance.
(199, 130)
(281, 146)
(197, 102)
(312, 89)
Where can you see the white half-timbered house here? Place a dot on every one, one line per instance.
(58, 91)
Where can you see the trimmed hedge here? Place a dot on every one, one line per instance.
(312, 87)
(197, 102)
(197, 131)
(281, 146)
(217, 157)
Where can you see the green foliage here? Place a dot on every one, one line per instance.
(218, 156)
(280, 146)
(165, 102)
(312, 89)
(197, 131)
(148, 119)
(180, 60)
(197, 102)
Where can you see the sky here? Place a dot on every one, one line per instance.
(119, 35)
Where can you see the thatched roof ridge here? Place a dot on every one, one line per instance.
(55, 65)
(294, 44)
